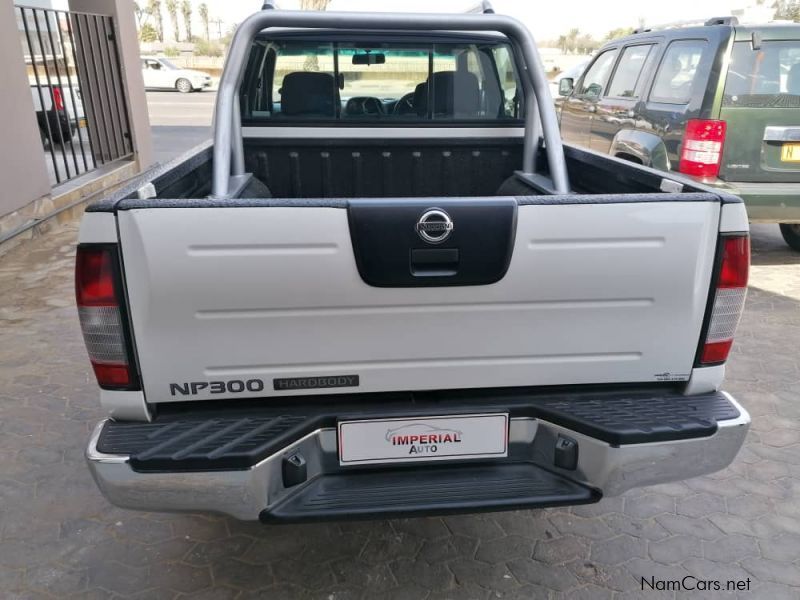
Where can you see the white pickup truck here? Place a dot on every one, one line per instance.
(386, 288)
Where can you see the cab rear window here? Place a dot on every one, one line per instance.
(297, 81)
(766, 77)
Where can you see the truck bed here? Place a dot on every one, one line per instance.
(303, 168)
(586, 288)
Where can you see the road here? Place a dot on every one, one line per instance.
(179, 121)
(60, 538)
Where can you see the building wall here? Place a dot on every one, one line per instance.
(26, 197)
(23, 172)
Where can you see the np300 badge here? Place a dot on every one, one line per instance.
(434, 226)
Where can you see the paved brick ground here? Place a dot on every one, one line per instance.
(58, 536)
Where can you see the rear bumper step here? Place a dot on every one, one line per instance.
(218, 440)
(235, 462)
(429, 490)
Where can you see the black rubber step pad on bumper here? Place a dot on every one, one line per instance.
(238, 438)
(428, 491)
(198, 445)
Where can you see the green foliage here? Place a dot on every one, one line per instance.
(172, 10)
(314, 4)
(575, 42)
(148, 33)
(154, 10)
(205, 48)
(171, 52)
(787, 10)
(186, 11)
(618, 33)
(203, 11)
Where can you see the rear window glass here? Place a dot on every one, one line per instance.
(768, 77)
(677, 72)
(381, 82)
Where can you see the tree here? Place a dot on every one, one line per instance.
(618, 33)
(312, 62)
(186, 10)
(314, 4)
(788, 10)
(203, 10)
(154, 10)
(172, 11)
(586, 44)
(141, 15)
(572, 39)
(148, 33)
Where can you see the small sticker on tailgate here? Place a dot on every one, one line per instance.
(451, 437)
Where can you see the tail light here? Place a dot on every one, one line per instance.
(97, 290)
(58, 98)
(729, 295)
(702, 147)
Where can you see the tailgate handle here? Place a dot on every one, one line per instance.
(429, 262)
(782, 134)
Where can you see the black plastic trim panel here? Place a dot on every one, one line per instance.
(428, 490)
(135, 204)
(237, 438)
(390, 253)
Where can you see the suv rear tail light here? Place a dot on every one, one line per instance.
(728, 303)
(702, 147)
(58, 99)
(97, 290)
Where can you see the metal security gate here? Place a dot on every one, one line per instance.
(76, 85)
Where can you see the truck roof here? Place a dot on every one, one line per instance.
(379, 35)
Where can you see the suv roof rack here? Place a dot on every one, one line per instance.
(729, 20)
(722, 21)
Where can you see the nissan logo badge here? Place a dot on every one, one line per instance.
(434, 226)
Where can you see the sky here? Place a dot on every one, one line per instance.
(592, 16)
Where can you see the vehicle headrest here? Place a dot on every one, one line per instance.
(455, 94)
(309, 93)
(793, 80)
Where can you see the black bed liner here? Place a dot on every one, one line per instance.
(596, 178)
(237, 438)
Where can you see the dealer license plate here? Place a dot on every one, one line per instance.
(451, 437)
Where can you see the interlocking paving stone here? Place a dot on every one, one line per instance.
(60, 538)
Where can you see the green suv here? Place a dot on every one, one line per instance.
(719, 102)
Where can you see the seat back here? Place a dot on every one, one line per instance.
(456, 94)
(310, 94)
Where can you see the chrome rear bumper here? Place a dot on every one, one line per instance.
(247, 493)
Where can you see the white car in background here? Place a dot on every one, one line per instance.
(160, 73)
(573, 72)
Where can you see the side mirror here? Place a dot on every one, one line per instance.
(565, 86)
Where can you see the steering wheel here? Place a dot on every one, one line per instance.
(405, 106)
(363, 105)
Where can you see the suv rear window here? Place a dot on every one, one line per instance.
(768, 77)
(676, 73)
(385, 82)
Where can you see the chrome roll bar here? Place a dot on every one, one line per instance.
(228, 166)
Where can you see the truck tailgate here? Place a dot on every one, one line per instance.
(257, 301)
